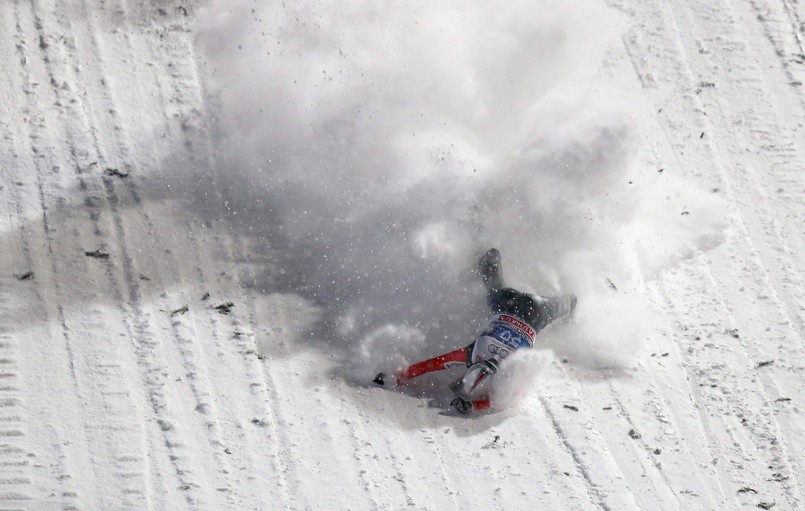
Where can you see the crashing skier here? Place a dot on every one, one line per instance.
(517, 318)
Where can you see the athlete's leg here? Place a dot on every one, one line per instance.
(439, 363)
(474, 376)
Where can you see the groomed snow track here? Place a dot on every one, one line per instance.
(123, 387)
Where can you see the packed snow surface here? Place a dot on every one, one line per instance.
(221, 218)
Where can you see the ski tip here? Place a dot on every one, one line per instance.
(380, 379)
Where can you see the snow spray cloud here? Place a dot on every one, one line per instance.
(375, 150)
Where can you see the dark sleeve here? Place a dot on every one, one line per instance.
(551, 308)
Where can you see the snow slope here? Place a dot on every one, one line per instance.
(160, 160)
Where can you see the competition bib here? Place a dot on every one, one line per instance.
(505, 334)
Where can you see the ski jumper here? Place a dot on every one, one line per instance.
(517, 318)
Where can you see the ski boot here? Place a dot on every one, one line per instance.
(465, 406)
(462, 405)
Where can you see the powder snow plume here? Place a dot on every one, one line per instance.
(375, 152)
